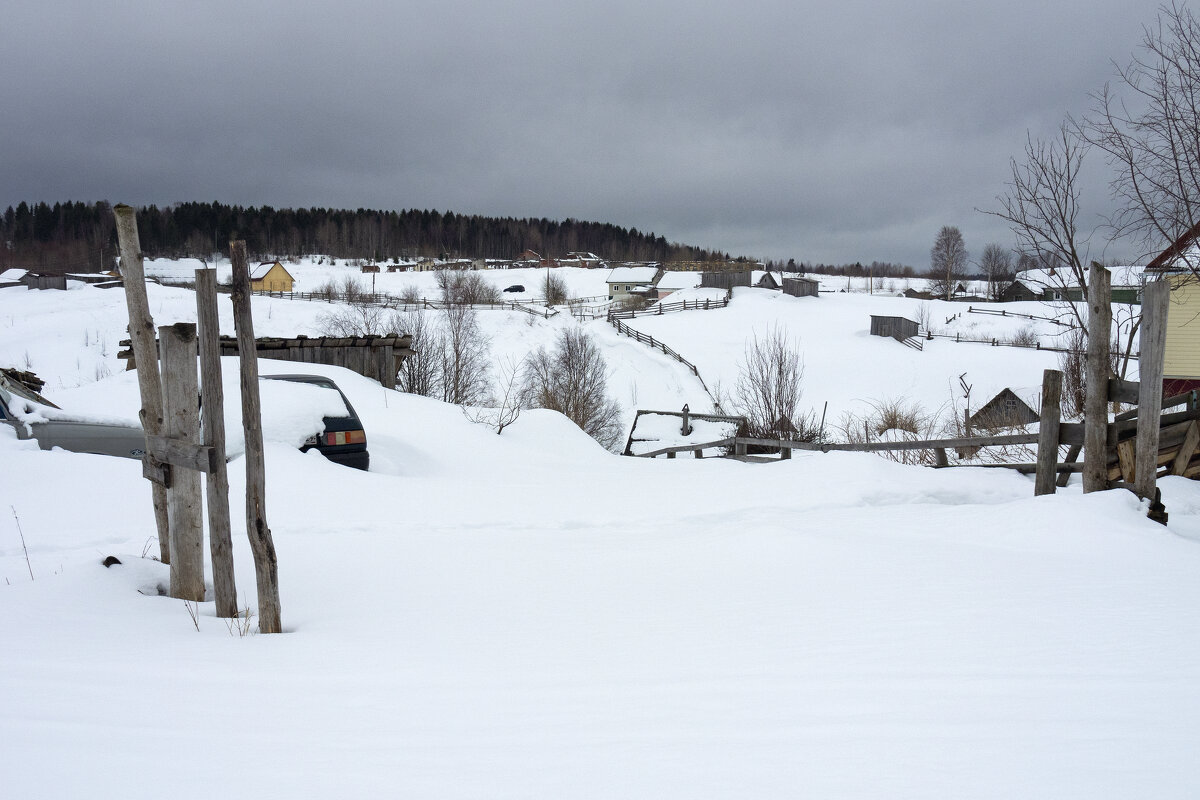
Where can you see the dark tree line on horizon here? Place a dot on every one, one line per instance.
(76, 236)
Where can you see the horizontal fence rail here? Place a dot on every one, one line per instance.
(399, 304)
(668, 308)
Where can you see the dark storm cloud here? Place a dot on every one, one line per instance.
(835, 132)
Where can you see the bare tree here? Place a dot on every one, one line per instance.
(947, 261)
(421, 372)
(996, 262)
(769, 386)
(573, 380)
(1042, 208)
(465, 359)
(459, 287)
(1148, 127)
(357, 318)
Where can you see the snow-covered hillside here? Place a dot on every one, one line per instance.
(527, 615)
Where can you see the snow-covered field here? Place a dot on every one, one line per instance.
(527, 615)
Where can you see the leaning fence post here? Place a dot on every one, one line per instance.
(266, 567)
(181, 417)
(1095, 414)
(1048, 432)
(145, 356)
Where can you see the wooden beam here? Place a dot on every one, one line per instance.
(1047, 452)
(1095, 472)
(1120, 391)
(177, 344)
(1153, 339)
(145, 355)
(1127, 461)
(1064, 475)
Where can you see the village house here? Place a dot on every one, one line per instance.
(1006, 410)
(626, 282)
(270, 276)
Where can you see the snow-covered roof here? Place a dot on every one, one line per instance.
(679, 280)
(13, 274)
(260, 272)
(632, 275)
(1126, 275)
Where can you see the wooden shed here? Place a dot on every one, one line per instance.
(725, 279)
(41, 280)
(767, 281)
(1005, 410)
(377, 357)
(270, 276)
(801, 287)
(899, 328)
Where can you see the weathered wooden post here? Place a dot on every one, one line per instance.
(212, 406)
(181, 417)
(1156, 297)
(145, 356)
(1095, 407)
(686, 428)
(1048, 431)
(266, 567)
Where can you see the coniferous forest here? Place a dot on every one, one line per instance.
(81, 237)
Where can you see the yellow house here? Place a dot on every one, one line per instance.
(1181, 360)
(270, 276)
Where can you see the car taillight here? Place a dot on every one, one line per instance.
(346, 437)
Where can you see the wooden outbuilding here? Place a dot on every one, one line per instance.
(899, 328)
(767, 281)
(1005, 410)
(41, 280)
(377, 357)
(725, 279)
(801, 287)
(1018, 292)
(270, 276)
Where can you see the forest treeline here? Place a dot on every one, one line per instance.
(75, 236)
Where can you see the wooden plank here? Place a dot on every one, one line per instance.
(177, 345)
(1186, 450)
(145, 355)
(1047, 452)
(262, 545)
(155, 471)
(1127, 461)
(212, 408)
(1152, 345)
(923, 444)
(1095, 474)
(1120, 391)
(181, 453)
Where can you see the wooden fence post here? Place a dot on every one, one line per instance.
(212, 406)
(1155, 302)
(1048, 429)
(1095, 408)
(182, 416)
(145, 356)
(266, 567)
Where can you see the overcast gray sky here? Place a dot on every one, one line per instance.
(838, 132)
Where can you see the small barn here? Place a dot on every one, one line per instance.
(801, 287)
(899, 328)
(1018, 291)
(767, 281)
(270, 276)
(917, 294)
(1005, 410)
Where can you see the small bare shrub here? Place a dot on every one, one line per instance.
(1026, 337)
(463, 288)
(769, 386)
(554, 289)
